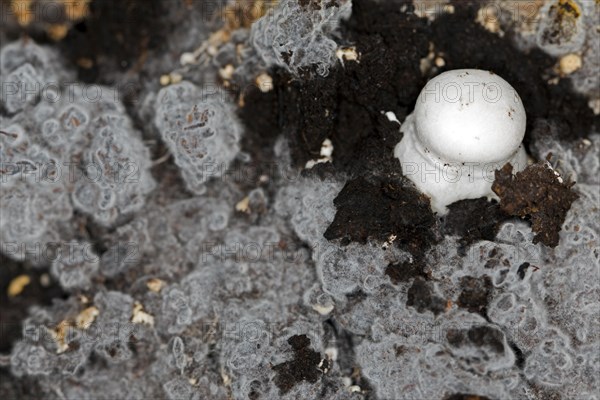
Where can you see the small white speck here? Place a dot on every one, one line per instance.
(332, 353)
(556, 173)
(187, 58)
(392, 117)
(347, 54)
(354, 389)
(326, 148)
(325, 153)
(323, 310)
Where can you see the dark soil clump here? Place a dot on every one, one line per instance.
(306, 365)
(462, 396)
(523, 270)
(422, 297)
(475, 294)
(479, 336)
(473, 220)
(538, 195)
(368, 210)
(346, 106)
(405, 271)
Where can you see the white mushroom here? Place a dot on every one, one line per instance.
(466, 124)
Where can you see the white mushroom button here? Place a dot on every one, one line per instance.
(466, 124)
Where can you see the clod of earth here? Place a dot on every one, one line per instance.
(378, 210)
(307, 365)
(537, 194)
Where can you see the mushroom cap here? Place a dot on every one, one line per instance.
(470, 115)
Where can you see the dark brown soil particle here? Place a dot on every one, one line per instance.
(422, 297)
(405, 271)
(536, 194)
(479, 336)
(523, 270)
(380, 210)
(307, 365)
(475, 294)
(473, 220)
(461, 396)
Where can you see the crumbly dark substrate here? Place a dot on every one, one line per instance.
(538, 195)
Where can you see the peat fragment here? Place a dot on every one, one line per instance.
(536, 194)
(473, 220)
(307, 365)
(475, 294)
(379, 210)
(422, 297)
